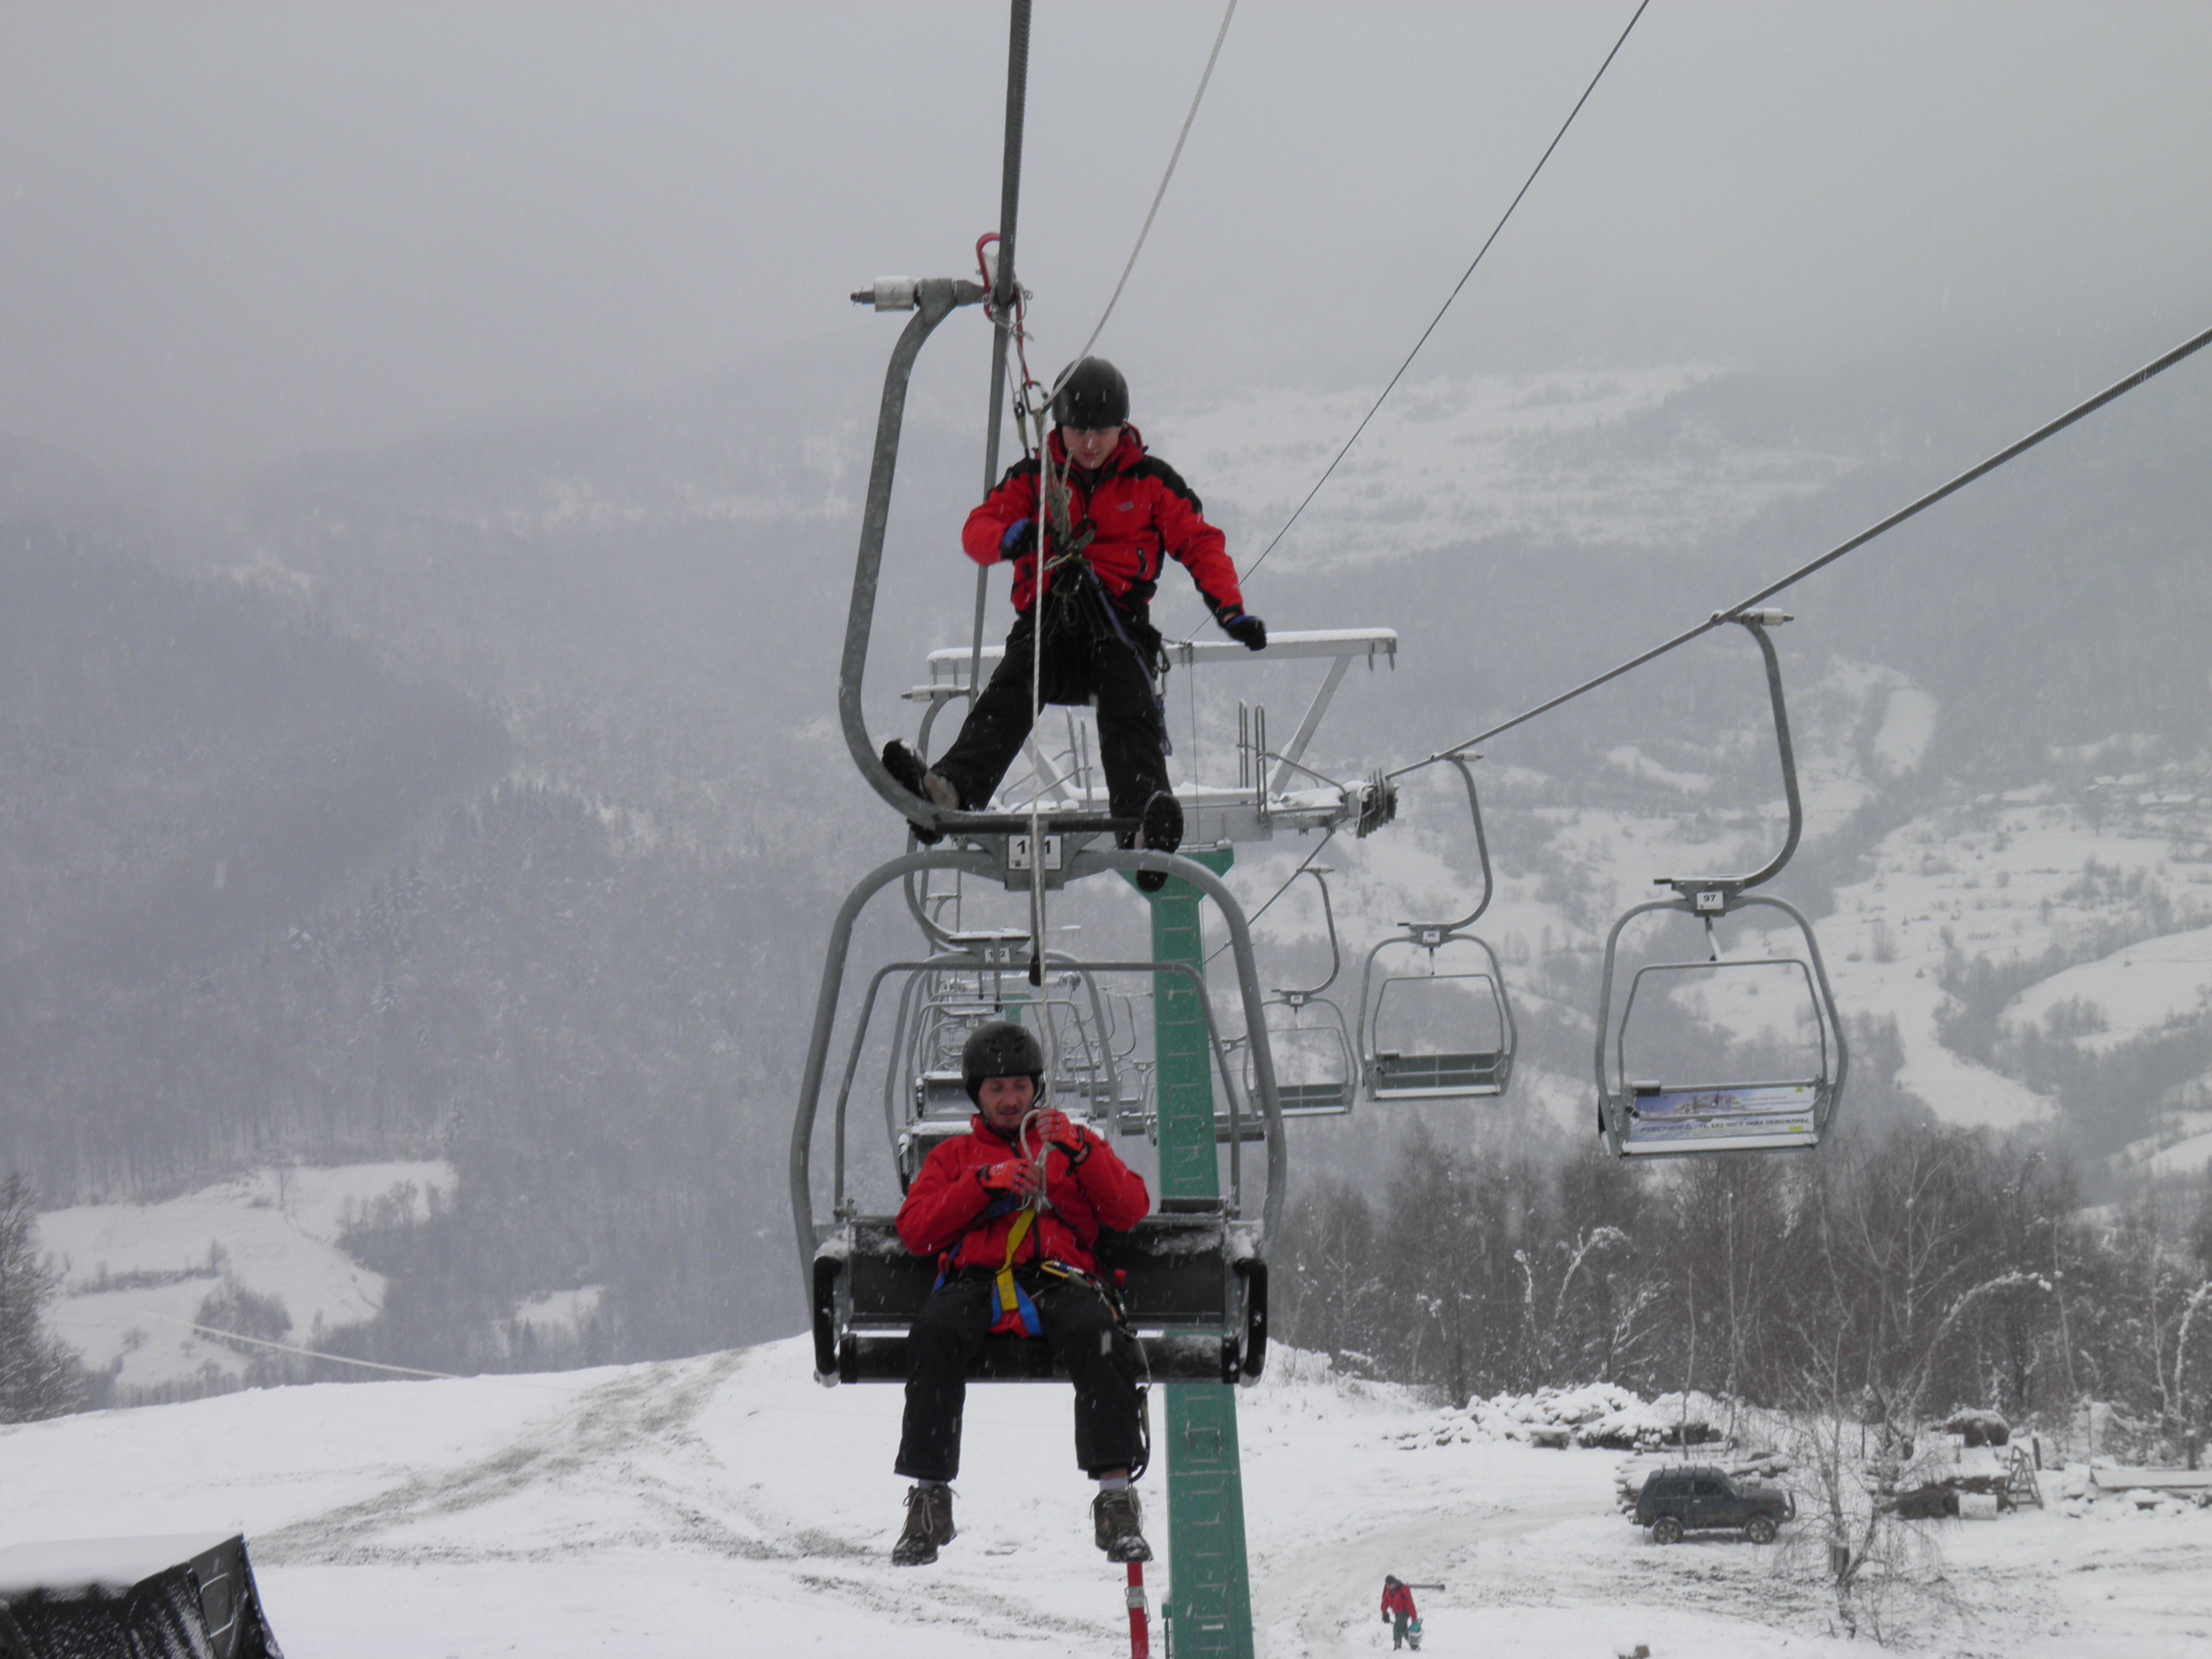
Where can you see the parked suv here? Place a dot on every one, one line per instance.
(1676, 1501)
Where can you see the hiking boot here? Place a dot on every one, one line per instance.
(928, 1527)
(1118, 1523)
(1160, 829)
(906, 768)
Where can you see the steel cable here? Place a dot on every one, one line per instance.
(2118, 388)
(1160, 195)
(1454, 295)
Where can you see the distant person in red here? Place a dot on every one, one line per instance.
(1012, 1211)
(1129, 512)
(1398, 1614)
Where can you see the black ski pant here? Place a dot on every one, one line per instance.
(1084, 656)
(948, 1334)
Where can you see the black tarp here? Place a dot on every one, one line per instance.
(185, 1597)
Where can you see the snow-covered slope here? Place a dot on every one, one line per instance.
(2038, 880)
(725, 1505)
(1451, 460)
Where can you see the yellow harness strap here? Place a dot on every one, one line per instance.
(1015, 1235)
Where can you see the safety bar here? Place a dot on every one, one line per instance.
(1687, 904)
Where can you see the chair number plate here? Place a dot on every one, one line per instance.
(1018, 852)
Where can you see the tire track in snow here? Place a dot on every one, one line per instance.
(605, 1431)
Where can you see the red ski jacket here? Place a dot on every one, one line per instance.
(1398, 1599)
(1140, 512)
(944, 1204)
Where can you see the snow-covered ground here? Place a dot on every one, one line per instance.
(134, 1275)
(727, 1504)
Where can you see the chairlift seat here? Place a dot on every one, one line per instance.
(1479, 1073)
(1315, 1099)
(1192, 1286)
(1661, 1119)
(1316, 1070)
(944, 1094)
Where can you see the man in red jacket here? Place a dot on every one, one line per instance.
(1398, 1613)
(1011, 1211)
(1127, 513)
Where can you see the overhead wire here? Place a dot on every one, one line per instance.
(1160, 195)
(336, 1359)
(1328, 836)
(1719, 618)
(1453, 295)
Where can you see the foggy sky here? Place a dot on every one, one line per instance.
(233, 232)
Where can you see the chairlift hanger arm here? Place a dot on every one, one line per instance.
(1481, 847)
(1299, 999)
(1755, 624)
(932, 300)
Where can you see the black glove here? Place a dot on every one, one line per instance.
(1248, 631)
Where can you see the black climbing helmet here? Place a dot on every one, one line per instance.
(1093, 396)
(1000, 1049)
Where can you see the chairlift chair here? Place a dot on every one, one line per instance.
(1414, 1066)
(1192, 1276)
(1316, 1066)
(1666, 1117)
(1196, 1272)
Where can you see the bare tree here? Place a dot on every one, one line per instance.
(39, 1376)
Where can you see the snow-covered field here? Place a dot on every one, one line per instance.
(134, 1275)
(727, 1504)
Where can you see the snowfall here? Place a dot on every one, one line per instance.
(728, 1503)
